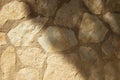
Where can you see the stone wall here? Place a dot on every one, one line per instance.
(59, 39)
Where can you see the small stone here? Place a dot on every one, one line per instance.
(113, 19)
(2, 38)
(13, 11)
(25, 32)
(64, 65)
(92, 30)
(8, 60)
(111, 47)
(57, 39)
(88, 55)
(32, 56)
(95, 6)
(69, 14)
(46, 7)
(27, 74)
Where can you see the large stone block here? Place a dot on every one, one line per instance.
(92, 30)
(8, 60)
(57, 39)
(25, 32)
(14, 10)
(69, 14)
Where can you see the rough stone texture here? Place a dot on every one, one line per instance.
(28, 74)
(69, 14)
(2, 38)
(13, 11)
(57, 39)
(8, 59)
(47, 47)
(113, 19)
(112, 5)
(58, 68)
(46, 7)
(110, 71)
(111, 47)
(92, 30)
(25, 32)
(88, 55)
(32, 56)
(95, 6)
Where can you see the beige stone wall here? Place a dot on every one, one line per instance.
(59, 39)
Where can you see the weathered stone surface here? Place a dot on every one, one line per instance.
(13, 11)
(113, 19)
(111, 47)
(69, 14)
(91, 63)
(92, 30)
(113, 5)
(32, 56)
(95, 6)
(2, 38)
(8, 60)
(57, 39)
(46, 7)
(25, 32)
(59, 68)
(110, 71)
(27, 74)
(88, 55)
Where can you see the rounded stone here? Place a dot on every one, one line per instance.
(57, 39)
(92, 30)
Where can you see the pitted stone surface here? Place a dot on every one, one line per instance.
(13, 11)
(8, 60)
(95, 6)
(32, 56)
(92, 30)
(69, 14)
(113, 19)
(2, 38)
(57, 39)
(25, 32)
(27, 74)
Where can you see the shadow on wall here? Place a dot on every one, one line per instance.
(80, 63)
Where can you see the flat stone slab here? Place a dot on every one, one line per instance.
(24, 33)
